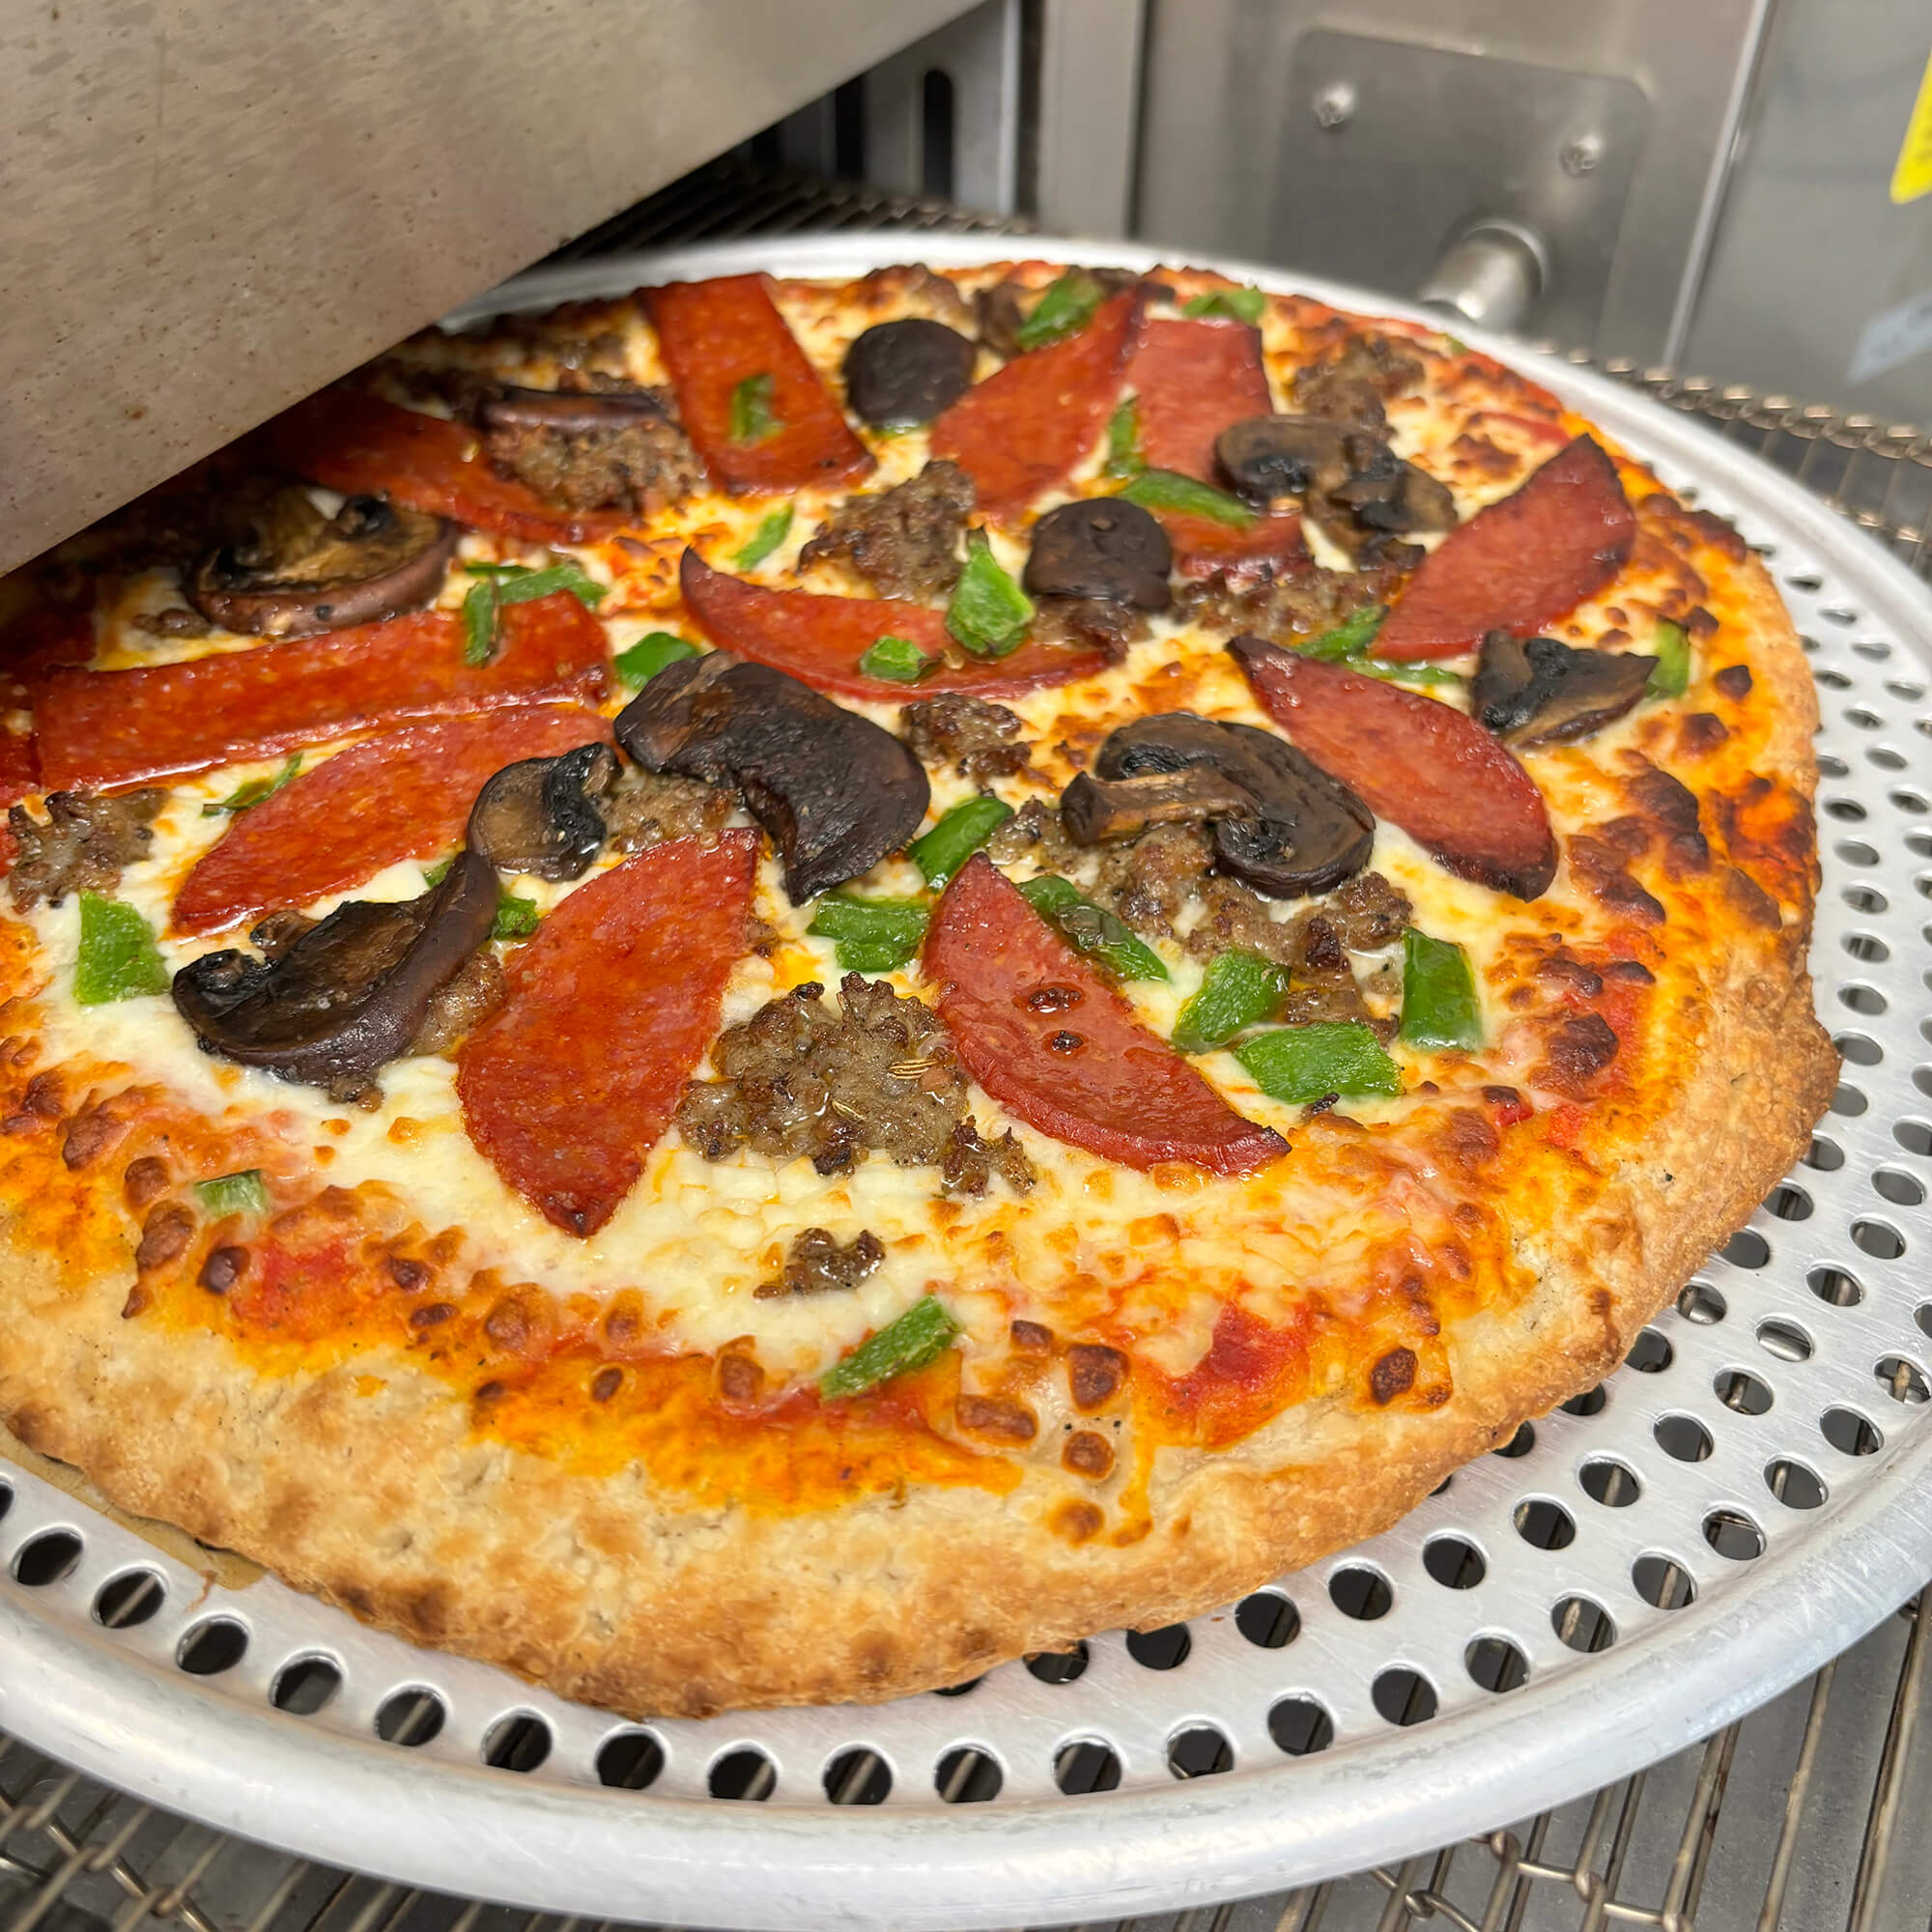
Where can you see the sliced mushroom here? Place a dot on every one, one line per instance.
(1299, 831)
(1101, 546)
(348, 995)
(568, 412)
(835, 791)
(1385, 493)
(540, 816)
(1267, 457)
(299, 572)
(1536, 691)
(907, 372)
(1096, 811)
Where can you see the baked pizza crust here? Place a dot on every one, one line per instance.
(368, 1483)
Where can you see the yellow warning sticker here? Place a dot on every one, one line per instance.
(1912, 176)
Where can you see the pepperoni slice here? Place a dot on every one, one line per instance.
(820, 640)
(1077, 1064)
(572, 1081)
(1021, 431)
(717, 334)
(356, 442)
(101, 728)
(405, 795)
(1194, 380)
(35, 645)
(1270, 546)
(1419, 763)
(1520, 562)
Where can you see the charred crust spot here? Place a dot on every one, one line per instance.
(1719, 534)
(1751, 900)
(740, 1379)
(622, 1325)
(432, 1316)
(144, 1178)
(1600, 867)
(509, 1325)
(1392, 1376)
(1734, 681)
(1078, 1522)
(605, 1383)
(43, 1099)
(1576, 1050)
(164, 1234)
(1087, 1454)
(1502, 1096)
(139, 1302)
(1030, 1338)
(488, 1393)
(1702, 732)
(223, 1268)
(1572, 972)
(1673, 807)
(1468, 1140)
(408, 1275)
(1633, 970)
(1094, 1374)
(995, 1415)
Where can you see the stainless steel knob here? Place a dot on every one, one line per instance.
(1492, 274)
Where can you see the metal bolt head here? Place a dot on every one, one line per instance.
(1335, 105)
(1582, 156)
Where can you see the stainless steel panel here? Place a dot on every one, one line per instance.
(212, 210)
(1392, 153)
(1224, 79)
(1089, 101)
(1819, 284)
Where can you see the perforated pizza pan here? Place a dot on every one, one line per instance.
(1743, 1499)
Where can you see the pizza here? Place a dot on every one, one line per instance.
(762, 991)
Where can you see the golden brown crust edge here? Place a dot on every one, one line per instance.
(387, 1504)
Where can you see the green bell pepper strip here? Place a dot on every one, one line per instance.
(1243, 304)
(765, 539)
(1066, 306)
(1092, 929)
(989, 613)
(1672, 678)
(242, 1193)
(516, 919)
(1349, 639)
(751, 417)
(1440, 1007)
(655, 651)
(1238, 990)
(872, 935)
(958, 834)
(896, 660)
(1169, 490)
(253, 793)
(1124, 441)
(1310, 1063)
(516, 583)
(118, 958)
(921, 1335)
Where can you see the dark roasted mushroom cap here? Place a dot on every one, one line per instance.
(1384, 491)
(1302, 832)
(540, 814)
(1536, 691)
(907, 372)
(1267, 457)
(299, 572)
(835, 791)
(351, 994)
(1101, 546)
